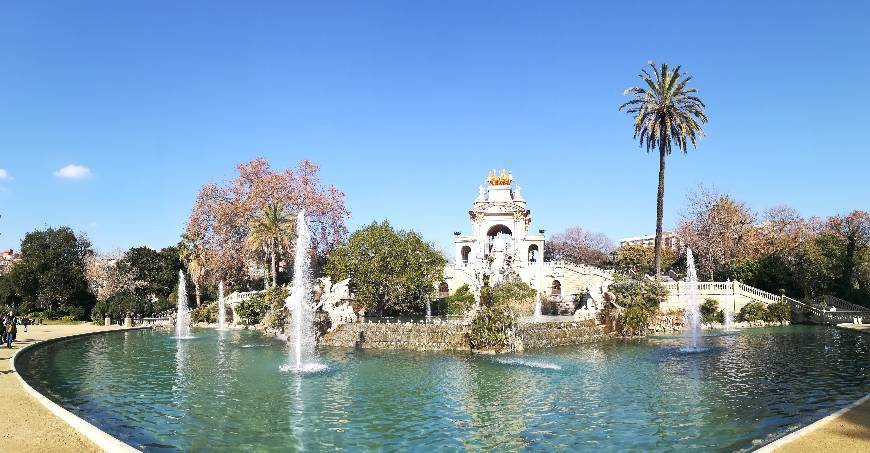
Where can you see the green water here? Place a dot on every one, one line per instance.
(223, 391)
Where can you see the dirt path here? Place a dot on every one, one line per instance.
(28, 426)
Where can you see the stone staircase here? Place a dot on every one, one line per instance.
(821, 310)
(827, 310)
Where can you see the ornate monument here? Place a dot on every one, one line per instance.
(501, 245)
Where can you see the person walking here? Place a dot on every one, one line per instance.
(25, 322)
(10, 330)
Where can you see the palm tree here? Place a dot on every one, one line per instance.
(193, 256)
(271, 232)
(666, 114)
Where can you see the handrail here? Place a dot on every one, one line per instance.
(840, 303)
(759, 293)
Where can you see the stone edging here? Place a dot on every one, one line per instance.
(99, 437)
(809, 429)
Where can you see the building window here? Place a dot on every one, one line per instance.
(465, 252)
(533, 253)
(443, 290)
(556, 289)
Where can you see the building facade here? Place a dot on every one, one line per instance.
(8, 258)
(502, 245)
(669, 240)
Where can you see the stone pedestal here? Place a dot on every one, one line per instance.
(107, 321)
(128, 322)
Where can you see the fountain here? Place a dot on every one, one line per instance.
(728, 312)
(692, 312)
(537, 314)
(300, 305)
(182, 316)
(222, 313)
(428, 309)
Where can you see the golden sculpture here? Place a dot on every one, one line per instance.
(506, 178)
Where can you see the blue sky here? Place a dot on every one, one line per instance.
(407, 105)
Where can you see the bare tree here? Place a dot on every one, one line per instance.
(579, 246)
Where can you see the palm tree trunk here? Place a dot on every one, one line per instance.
(196, 289)
(274, 269)
(660, 211)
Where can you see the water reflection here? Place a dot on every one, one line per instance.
(214, 392)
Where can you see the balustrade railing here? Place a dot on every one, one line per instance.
(764, 296)
(840, 304)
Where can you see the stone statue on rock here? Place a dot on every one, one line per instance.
(335, 301)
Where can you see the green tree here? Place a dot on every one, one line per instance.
(9, 298)
(194, 259)
(51, 273)
(667, 113)
(710, 312)
(778, 312)
(640, 259)
(156, 272)
(391, 271)
(847, 245)
(460, 301)
(271, 232)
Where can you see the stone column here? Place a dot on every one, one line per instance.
(734, 298)
(107, 321)
(128, 322)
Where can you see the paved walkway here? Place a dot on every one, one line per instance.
(863, 328)
(27, 425)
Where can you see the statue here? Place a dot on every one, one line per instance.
(335, 300)
(504, 179)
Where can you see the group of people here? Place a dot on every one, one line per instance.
(9, 328)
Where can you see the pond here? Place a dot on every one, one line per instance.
(223, 391)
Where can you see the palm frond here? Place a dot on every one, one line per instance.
(667, 112)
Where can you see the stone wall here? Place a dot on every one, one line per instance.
(454, 337)
(550, 334)
(673, 322)
(416, 336)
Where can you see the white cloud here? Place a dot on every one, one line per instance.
(73, 171)
(4, 175)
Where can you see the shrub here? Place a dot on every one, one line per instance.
(119, 305)
(485, 293)
(710, 311)
(276, 314)
(77, 313)
(516, 295)
(631, 293)
(493, 329)
(640, 300)
(251, 311)
(35, 315)
(778, 312)
(206, 313)
(633, 321)
(439, 306)
(753, 311)
(460, 301)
